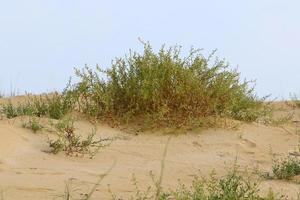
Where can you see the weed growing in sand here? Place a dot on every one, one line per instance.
(33, 124)
(280, 120)
(232, 186)
(10, 111)
(166, 89)
(54, 106)
(65, 124)
(286, 168)
(57, 105)
(74, 145)
(295, 101)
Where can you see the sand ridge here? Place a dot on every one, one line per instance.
(28, 172)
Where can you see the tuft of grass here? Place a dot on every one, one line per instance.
(10, 111)
(33, 124)
(65, 124)
(232, 186)
(165, 88)
(286, 168)
(295, 101)
(280, 121)
(53, 105)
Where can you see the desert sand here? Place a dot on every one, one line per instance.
(28, 172)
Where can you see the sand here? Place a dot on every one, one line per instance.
(28, 172)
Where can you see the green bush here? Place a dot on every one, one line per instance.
(295, 100)
(286, 168)
(10, 111)
(33, 124)
(166, 89)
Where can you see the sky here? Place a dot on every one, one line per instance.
(41, 41)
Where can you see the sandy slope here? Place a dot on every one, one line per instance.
(27, 172)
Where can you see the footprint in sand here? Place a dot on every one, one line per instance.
(247, 146)
(248, 143)
(196, 144)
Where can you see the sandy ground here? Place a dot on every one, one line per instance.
(28, 172)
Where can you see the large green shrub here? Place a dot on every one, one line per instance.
(167, 88)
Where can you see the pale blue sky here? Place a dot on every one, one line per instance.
(41, 41)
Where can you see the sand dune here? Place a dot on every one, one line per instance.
(28, 172)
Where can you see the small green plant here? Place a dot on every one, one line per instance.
(33, 124)
(232, 186)
(295, 101)
(65, 124)
(280, 120)
(74, 145)
(10, 111)
(58, 105)
(54, 106)
(286, 168)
